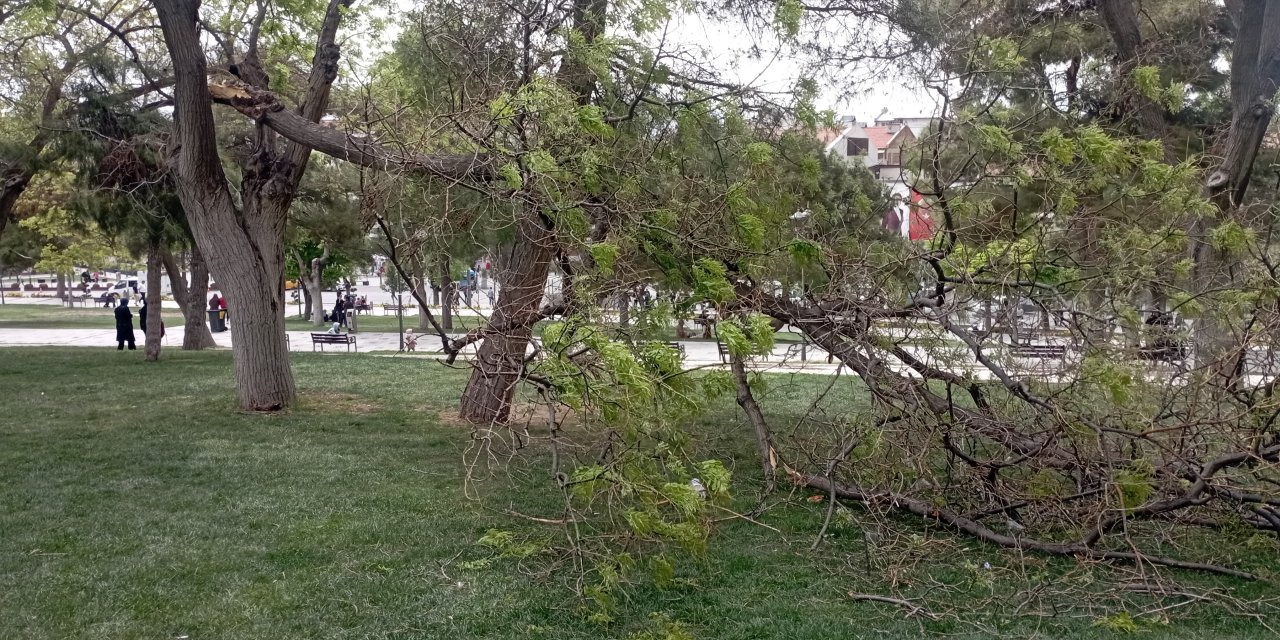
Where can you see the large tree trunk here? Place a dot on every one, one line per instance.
(62, 290)
(196, 335)
(1255, 77)
(155, 324)
(245, 245)
(13, 182)
(500, 360)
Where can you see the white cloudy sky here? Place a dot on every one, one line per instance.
(725, 47)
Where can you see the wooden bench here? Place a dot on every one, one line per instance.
(393, 308)
(723, 349)
(1040, 351)
(322, 339)
(677, 346)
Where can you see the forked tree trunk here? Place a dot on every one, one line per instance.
(155, 325)
(314, 282)
(244, 243)
(191, 299)
(500, 360)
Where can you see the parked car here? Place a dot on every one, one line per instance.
(120, 290)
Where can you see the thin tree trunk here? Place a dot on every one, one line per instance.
(155, 324)
(62, 290)
(747, 401)
(421, 289)
(447, 296)
(418, 274)
(196, 334)
(306, 301)
(500, 359)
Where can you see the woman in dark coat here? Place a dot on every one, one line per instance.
(142, 320)
(124, 326)
(340, 311)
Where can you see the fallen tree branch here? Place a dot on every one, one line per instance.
(911, 607)
(957, 522)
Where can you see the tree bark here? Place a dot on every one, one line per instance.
(447, 295)
(764, 441)
(61, 292)
(500, 359)
(312, 277)
(418, 277)
(245, 244)
(155, 325)
(1255, 77)
(196, 335)
(1121, 20)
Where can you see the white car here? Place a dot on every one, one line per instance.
(120, 290)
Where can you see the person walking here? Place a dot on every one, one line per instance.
(340, 311)
(124, 326)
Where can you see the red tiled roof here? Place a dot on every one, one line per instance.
(879, 136)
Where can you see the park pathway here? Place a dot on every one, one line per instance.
(698, 354)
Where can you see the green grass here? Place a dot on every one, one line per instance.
(377, 323)
(30, 316)
(135, 502)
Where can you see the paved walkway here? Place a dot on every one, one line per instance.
(698, 354)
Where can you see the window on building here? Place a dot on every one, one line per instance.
(856, 146)
(893, 156)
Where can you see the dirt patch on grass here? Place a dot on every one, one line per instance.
(337, 400)
(524, 415)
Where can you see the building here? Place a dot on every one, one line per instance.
(880, 147)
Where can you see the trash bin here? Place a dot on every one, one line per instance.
(216, 322)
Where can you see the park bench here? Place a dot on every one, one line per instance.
(1040, 351)
(678, 347)
(723, 350)
(394, 308)
(334, 338)
(796, 350)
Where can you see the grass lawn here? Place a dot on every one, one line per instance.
(136, 503)
(377, 323)
(31, 316)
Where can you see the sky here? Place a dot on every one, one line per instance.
(726, 46)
